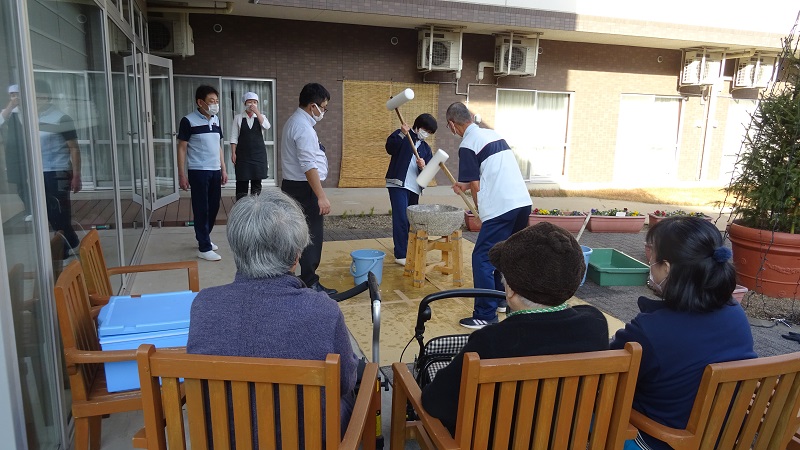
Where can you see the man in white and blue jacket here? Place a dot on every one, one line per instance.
(488, 168)
(401, 176)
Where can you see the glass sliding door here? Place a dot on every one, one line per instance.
(162, 130)
(535, 125)
(647, 140)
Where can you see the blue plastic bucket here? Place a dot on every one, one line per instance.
(587, 253)
(364, 262)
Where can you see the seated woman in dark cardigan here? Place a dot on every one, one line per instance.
(267, 311)
(542, 267)
(696, 324)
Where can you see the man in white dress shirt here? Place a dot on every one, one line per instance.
(305, 167)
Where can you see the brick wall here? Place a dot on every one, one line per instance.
(297, 52)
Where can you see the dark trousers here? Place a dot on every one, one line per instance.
(401, 199)
(311, 256)
(242, 185)
(59, 206)
(484, 274)
(206, 191)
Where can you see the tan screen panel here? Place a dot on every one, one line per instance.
(367, 123)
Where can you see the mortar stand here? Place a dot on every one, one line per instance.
(418, 247)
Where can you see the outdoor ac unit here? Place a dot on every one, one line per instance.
(700, 68)
(754, 72)
(439, 51)
(170, 35)
(523, 54)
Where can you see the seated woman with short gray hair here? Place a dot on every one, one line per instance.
(267, 311)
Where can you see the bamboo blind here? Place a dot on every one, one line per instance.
(367, 123)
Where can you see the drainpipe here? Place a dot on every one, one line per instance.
(192, 9)
(708, 128)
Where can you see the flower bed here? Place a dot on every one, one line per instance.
(616, 221)
(569, 220)
(657, 216)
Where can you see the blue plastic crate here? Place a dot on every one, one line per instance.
(127, 322)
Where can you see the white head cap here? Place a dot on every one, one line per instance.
(14, 88)
(249, 96)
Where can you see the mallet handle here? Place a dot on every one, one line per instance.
(403, 122)
(464, 197)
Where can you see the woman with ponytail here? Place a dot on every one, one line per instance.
(695, 324)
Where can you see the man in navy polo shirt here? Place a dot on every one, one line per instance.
(487, 167)
(200, 149)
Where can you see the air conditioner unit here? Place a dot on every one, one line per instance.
(515, 56)
(700, 68)
(754, 72)
(170, 35)
(439, 50)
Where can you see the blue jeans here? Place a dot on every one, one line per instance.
(401, 199)
(206, 191)
(484, 274)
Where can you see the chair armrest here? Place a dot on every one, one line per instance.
(405, 385)
(74, 356)
(99, 300)
(678, 439)
(191, 266)
(94, 311)
(362, 409)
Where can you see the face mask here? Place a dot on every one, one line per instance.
(213, 109)
(453, 130)
(652, 281)
(422, 134)
(321, 113)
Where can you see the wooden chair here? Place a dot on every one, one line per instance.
(575, 401)
(217, 386)
(98, 275)
(740, 404)
(84, 360)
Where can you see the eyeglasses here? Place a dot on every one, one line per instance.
(322, 108)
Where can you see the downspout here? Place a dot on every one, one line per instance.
(711, 106)
(193, 9)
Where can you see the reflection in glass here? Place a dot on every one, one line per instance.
(126, 125)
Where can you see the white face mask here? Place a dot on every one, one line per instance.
(213, 109)
(656, 286)
(321, 113)
(422, 134)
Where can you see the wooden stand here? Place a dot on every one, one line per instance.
(418, 248)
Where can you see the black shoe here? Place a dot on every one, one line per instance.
(320, 288)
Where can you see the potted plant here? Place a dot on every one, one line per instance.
(615, 221)
(569, 220)
(766, 188)
(656, 216)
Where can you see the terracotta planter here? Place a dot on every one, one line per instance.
(612, 224)
(653, 219)
(472, 222)
(570, 223)
(766, 262)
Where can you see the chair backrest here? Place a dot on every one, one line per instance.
(576, 401)
(78, 329)
(754, 402)
(215, 386)
(94, 265)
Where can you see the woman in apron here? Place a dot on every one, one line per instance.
(248, 152)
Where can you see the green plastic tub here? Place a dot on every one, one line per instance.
(610, 267)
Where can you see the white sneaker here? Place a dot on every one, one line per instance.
(401, 261)
(209, 255)
(29, 218)
(214, 247)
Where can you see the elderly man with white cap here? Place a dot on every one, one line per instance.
(248, 151)
(11, 130)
